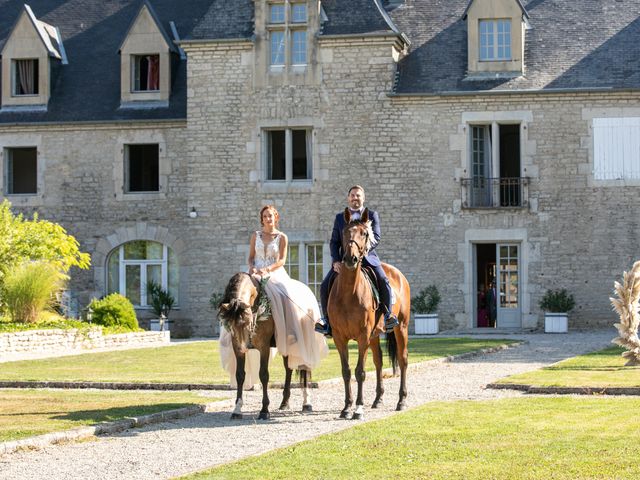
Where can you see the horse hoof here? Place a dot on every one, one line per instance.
(401, 406)
(236, 416)
(357, 416)
(377, 404)
(345, 414)
(307, 409)
(264, 416)
(284, 406)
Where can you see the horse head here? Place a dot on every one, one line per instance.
(356, 238)
(235, 311)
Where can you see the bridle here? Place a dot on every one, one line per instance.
(362, 249)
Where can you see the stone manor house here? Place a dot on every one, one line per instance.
(498, 139)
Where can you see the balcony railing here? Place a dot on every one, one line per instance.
(505, 192)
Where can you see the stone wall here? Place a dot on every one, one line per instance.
(41, 343)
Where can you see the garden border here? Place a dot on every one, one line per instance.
(535, 389)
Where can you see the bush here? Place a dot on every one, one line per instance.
(161, 300)
(114, 310)
(426, 301)
(29, 289)
(557, 301)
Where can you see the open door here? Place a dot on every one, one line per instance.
(508, 285)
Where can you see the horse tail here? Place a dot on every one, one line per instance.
(392, 350)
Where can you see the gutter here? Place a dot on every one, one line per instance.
(465, 93)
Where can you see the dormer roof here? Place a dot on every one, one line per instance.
(146, 7)
(48, 34)
(524, 10)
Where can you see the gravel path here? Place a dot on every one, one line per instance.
(175, 448)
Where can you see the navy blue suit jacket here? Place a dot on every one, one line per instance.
(336, 238)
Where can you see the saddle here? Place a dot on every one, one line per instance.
(370, 275)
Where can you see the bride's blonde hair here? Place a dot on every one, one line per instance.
(275, 213)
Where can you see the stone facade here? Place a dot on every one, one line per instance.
(409, 152)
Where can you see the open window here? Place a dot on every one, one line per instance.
(142, 168)
(288, 154)
(21, 171)
(495, 180)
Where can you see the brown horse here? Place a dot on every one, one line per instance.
(236, 311)
(352, 311)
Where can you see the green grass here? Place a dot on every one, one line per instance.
(604, 368)
(199, 362)
(523, 438)
(25, 413)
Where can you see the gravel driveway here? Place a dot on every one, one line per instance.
(175, 448)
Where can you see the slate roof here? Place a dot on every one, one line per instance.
(589, 44)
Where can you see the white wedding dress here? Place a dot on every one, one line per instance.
(295, 312)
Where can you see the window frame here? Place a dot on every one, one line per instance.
(287, 29)
(8, 171)
(127, 169)
(493, 46)
(164, 264)
(289, 157)
(303, 263)
(14, 77)
(134, 66)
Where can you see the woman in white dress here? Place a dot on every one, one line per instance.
(294, 307)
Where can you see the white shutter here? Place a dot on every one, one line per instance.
(616, 148)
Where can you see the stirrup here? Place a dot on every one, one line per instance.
(390, 322)
(323, 328)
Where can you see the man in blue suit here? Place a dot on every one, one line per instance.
(355, 200)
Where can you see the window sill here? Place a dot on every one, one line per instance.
(142, 196)
(144, 104)
(23, 108)
(294, 186)
(25, 199)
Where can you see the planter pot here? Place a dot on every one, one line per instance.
(426, 323)
(155, 326)
(556, 323)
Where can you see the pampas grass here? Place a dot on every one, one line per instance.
(626, 306)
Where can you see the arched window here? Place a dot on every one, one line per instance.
(133, 264)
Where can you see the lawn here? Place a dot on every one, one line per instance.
(523, 438)
(25, 413)
(199, 362)
(604, 368)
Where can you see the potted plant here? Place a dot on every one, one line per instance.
(161, 302)
(424, 307)
(557, 304)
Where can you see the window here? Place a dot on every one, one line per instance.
(288, 34)
(21, 171)
(305, 263)
(495, 39)
(616, 148)
(288, 154)
(142, 168)
(494, 152)
(25, 77)
(132, 265)
(146, 73)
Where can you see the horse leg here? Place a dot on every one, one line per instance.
(363, 348)
(343, 351)
(264, 380)
(402, 337)
(237, 411)
(286, 393)
(305, 378)
(376, 351)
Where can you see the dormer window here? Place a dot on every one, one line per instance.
(496, 31)
(145, 62)
(287, 30)
(146, 73)
(25, 77)
(495, 39)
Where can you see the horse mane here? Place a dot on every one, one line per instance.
(234, 314)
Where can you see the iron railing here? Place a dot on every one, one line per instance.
(504, 192)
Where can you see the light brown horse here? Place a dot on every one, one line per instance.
(352, 312)
(236, 311)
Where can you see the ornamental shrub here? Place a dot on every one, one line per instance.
(29, 289)
(557, 301)
(114, 310)
(426, 301)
